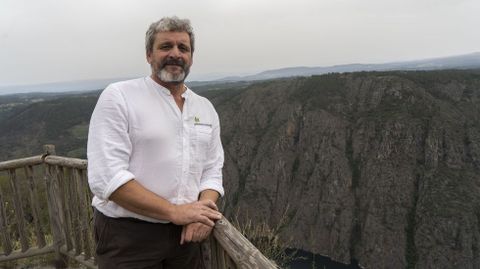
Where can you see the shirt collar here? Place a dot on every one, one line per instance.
(187, 92)
(166, 91)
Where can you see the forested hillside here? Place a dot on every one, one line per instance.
(61, 121)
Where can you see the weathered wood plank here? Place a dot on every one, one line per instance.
(89, 196)
(54, 212)
(230, 263)
(242, 251)
(74, 206)
(32, 190)
(84, 217)
(48, 149)
(87, 191)
(63, 206)
(18, 163)
(19, 213)
(220, 257)
(31, 252)
(57, 209)
(4, 234)
(66, 162)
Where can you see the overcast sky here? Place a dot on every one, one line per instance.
(65, 40)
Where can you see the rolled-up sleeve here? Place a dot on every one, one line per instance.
(212, 172)
(109, 146)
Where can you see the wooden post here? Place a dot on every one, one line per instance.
(87, 194)
(54, 210)
(84, 218)
(48, 150)
(63, 196)
(73, 206)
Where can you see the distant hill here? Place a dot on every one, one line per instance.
(467, 61)
(61, 120)
(380, 167)
(59, 87)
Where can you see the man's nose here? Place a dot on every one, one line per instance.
(175, 52)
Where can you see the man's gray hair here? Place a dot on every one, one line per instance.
(168, 24)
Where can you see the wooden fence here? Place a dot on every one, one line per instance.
(49, 211)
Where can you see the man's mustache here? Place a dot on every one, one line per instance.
(178, 62)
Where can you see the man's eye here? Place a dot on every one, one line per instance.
(184, 48)
(165, 47)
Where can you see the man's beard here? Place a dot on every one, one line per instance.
(168, 77)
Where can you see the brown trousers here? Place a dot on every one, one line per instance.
(131, 243)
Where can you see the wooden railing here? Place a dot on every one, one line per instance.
(48, 211)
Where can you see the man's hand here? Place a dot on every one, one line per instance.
(205, 212)
(195, 232)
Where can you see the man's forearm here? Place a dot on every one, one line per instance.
(210, 195)
(134, 197)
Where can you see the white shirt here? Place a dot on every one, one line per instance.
(137, 131)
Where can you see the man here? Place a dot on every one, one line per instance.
(155, 160)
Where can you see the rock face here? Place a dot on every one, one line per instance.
(383, 168)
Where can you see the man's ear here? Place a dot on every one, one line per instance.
(147, 56)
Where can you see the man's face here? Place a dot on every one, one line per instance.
(171, 56)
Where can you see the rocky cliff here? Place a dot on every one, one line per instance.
(383, 168)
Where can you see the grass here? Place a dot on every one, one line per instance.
(266, 237)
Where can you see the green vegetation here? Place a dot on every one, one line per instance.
(320, 92)
(62, 121)
(79, 131)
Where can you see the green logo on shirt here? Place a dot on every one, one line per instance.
(197, 119)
